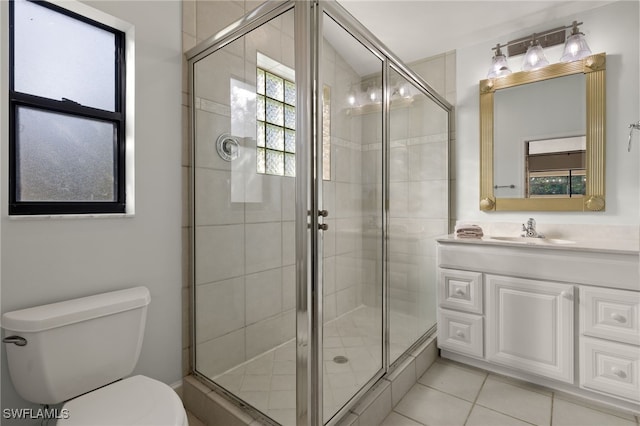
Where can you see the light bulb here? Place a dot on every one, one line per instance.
(499, 65)
(534, 58)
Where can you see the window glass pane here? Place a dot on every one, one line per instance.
(57, 57)
(290, 165)
(260, 115)
(260, 82)
(289, 141)
(290, 93)
(578, 184)
(275, 137)
(63, 158)
(260, 134)
(276, 116)
(261, 162)
(289, 117)
(275, 113)
(275, 162)
(549, 185)
(326, 133)
(275, 87)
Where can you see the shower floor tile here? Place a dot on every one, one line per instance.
(268, 381)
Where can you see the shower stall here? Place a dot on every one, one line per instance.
(319, 181)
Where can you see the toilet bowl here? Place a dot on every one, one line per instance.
(137, 400)
(80, 352)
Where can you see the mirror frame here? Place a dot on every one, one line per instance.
(593, 67)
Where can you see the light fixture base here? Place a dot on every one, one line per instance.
(551, 38)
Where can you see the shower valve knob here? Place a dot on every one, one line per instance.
(323, 226)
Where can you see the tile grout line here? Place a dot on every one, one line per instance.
(473, 404)
(407, 417)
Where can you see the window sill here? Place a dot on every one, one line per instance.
(73, 216)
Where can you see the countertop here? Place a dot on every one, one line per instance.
(592, 245)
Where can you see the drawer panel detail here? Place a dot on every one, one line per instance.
(460, 332)
(612, 368)
(610, 314)
(461, 290)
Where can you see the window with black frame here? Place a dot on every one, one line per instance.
(67, 117)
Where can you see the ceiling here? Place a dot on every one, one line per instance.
(419, 29)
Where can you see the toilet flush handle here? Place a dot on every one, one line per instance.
(16, 340)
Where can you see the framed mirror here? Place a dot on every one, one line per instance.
(542, 138)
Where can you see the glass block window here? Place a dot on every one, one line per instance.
(326, 133)
(66, 103)
(276, 124)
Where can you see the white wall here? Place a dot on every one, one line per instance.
(47, 260)
(613, 29)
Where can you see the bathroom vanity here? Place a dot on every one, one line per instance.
(559, 313)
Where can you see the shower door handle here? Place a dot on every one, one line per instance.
(323, 213)
(323, 226)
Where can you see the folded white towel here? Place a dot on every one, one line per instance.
(468, 231)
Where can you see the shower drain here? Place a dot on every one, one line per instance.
(340, 359)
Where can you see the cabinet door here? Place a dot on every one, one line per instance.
(530, 326)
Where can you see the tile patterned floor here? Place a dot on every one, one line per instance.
(268, 381)
(450, 394)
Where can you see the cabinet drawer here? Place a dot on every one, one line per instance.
(460, 332)
(609, 367)
(610, 314)
(460, 290)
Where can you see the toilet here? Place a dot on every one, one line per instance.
(80, 352)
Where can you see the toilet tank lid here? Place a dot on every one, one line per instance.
(45, 317)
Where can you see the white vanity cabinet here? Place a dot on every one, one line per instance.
(610, 342)
(568, 319)
(530, 326)
(460, 321)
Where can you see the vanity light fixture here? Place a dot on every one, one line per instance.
(534, 58)
(499, 64)
(352, 98)
(576, 46)
(404, 91)
(373, 95)
(532, 46)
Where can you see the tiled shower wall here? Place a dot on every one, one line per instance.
(245, 259)
(200, 19)
(348, 255)
(440, 72)
(245, 276)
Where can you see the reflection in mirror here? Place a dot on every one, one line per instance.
(548, 109)
(556, 168)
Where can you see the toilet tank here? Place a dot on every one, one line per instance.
(75, 346)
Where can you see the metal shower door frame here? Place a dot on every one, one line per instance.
(308, 18)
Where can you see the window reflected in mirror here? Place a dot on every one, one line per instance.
(556, 168)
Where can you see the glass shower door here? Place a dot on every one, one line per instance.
(418, 209)
(352, 342)
(244, 109)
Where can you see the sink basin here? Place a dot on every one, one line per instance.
(535, 241)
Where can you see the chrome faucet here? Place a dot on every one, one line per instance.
(530, 229)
